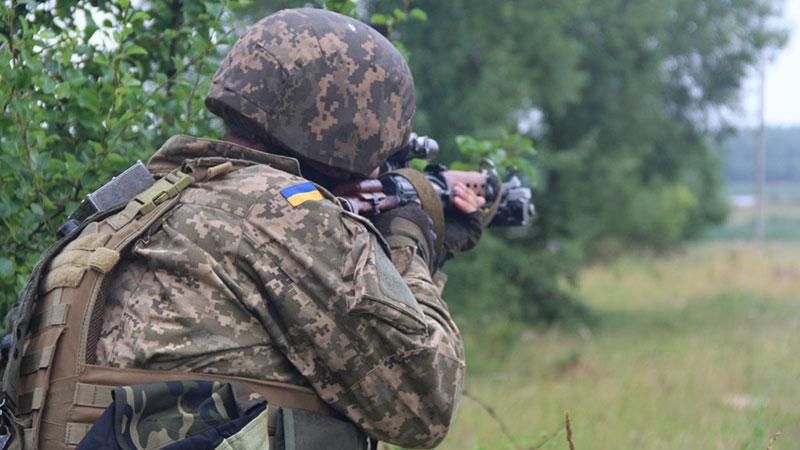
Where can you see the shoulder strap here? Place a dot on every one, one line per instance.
(430, 201)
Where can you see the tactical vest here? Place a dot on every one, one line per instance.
(52, 386)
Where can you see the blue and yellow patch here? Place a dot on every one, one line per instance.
(301, 193)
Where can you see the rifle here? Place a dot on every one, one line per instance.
(510, 199)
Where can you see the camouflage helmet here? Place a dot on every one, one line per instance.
(327, 87)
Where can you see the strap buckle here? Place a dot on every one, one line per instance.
(162, 190)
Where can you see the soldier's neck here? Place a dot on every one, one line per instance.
(327, 177)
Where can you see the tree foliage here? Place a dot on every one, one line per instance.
(86, 88)
(619, 97)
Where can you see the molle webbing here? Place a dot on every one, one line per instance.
(162, 190)
(60, 391)
(69, 294)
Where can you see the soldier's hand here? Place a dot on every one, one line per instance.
(465, 200)
(463, 228)
(408, 225)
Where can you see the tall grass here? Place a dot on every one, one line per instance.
(697, 350)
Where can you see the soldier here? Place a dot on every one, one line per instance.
(255, 274)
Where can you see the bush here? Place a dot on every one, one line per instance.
(86, 88)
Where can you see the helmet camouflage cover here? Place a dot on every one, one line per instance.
(327, 87)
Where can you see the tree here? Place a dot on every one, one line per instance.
(619, 97)
(627, 92)
(86, 88)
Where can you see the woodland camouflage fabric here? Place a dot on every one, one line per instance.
(326, 86)
(175, 415)
(236, 280)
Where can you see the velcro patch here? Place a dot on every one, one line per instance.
(301, 193)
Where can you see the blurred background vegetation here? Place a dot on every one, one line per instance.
(623, 103)
(619, 99)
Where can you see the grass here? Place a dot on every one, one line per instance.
(697, 350)
(782, 223)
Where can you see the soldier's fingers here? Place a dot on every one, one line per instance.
(475, 198)
(469, 195)
(464, 206)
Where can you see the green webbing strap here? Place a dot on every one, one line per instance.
(429, 200)
(404, 233)
(30, 401)
(95, 395)
(37, 360)
(75, 432)
(55, 315)
(162, 190)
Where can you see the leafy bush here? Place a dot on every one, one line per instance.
(504, 280)
(86, 88)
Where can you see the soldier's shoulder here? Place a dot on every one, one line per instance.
(278, 196)
(258, 179)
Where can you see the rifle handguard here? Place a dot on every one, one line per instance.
(484, 183)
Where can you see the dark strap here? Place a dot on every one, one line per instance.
(429, 200)
(489, 214)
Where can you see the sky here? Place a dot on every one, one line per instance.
(782, 80)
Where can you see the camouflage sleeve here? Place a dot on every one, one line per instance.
(375, 342)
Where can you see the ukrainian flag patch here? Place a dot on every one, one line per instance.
(301, 193)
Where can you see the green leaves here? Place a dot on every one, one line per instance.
(346, 7)
(397, 17)
(133, 50)
(6, 267)
(77, 105)
(418, 14)
(509, 151)
(380, 19)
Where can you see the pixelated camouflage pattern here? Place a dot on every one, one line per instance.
(153, 416)
(235, 280)
(326, 86)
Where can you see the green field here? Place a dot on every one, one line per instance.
(697, 350)
(782, 214)
(782, 223)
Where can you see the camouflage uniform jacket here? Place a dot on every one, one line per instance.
(236, 280)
